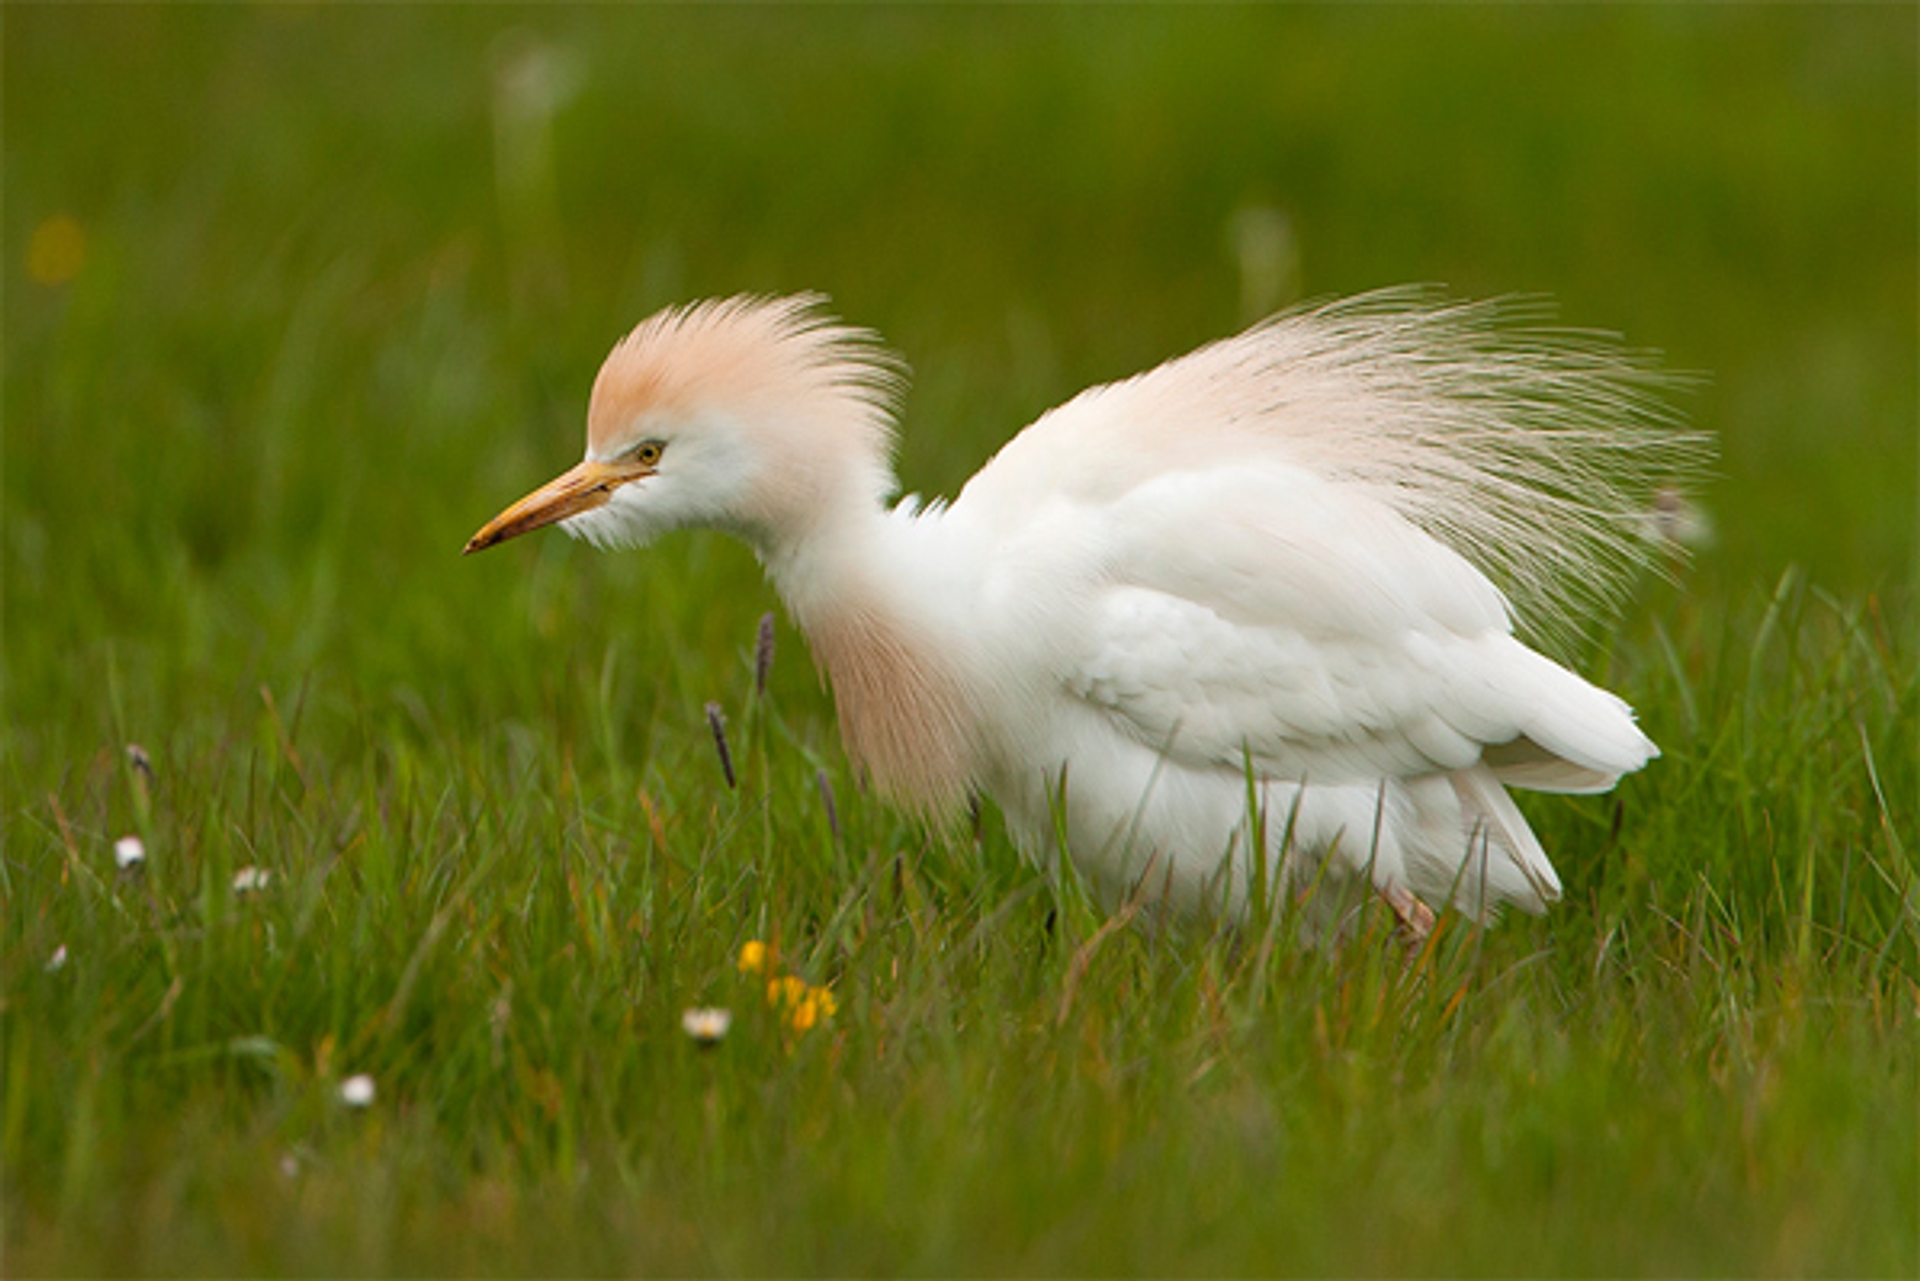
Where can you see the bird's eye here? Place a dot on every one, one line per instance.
(648, 452)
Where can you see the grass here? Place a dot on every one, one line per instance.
(315, 337)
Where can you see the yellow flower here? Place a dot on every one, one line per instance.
(800, 1006)
(56, 251)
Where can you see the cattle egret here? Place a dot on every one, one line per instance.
(1232, 622)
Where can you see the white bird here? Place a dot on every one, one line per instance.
(1234, 618)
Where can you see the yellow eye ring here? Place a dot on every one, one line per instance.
(648, 452)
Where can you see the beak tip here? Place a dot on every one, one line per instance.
(580, 490)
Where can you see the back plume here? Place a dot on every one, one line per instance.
(1541, 454)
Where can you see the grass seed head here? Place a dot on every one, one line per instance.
(763, 653)
(717, 721)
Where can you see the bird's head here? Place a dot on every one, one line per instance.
(758, 416)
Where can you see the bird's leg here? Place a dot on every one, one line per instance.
(1415, 917)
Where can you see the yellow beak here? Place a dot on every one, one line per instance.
(584, 488)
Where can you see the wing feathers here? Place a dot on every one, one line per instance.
(1182, 678)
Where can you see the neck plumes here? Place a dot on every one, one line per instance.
(897, 682)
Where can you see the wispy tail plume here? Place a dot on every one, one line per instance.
(1539, 453)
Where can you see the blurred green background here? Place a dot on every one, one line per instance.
(336, 256)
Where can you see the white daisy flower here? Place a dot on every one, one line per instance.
(249, 880)
(706, 1026)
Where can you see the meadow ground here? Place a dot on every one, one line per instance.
(295, 298)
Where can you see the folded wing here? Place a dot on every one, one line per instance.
(1326, 640)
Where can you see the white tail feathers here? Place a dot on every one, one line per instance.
(1576, 737)
(1504, 861)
